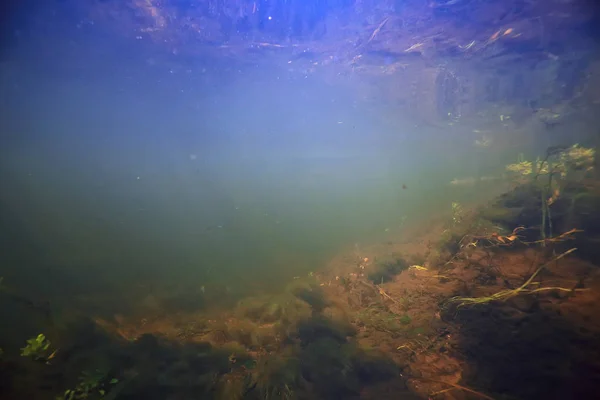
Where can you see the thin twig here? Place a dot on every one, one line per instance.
(507, 294)
(456, 386)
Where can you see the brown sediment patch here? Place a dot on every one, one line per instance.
(543, 345)
(499, 348)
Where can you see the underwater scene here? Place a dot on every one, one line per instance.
(300, 199)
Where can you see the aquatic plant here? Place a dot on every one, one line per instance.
(37, 348)
(331, 368)
(91, 384)
(576, 158)
(568, 159)
(559, 164)
(233, 385)
(385, 271)
(571, 159)
(292, 305)
(252, 335)
(310, 293)
(379, 319)
(277, 376)
(522, 168)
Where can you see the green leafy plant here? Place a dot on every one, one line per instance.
(549, 175)
(559, 161)
(91, 385)
(37, 348)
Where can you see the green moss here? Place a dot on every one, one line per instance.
(328, 365)
(236, 351)
(386, 270)
(310, 293)
(284, 308)
(379, 319)
(232, 386)
(277, 376)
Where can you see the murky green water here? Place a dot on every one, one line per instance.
(235, 183)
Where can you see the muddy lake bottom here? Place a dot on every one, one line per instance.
(441, 312)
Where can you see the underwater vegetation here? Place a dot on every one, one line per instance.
(485, 289)
(516, 261)
(195, 159)
(385, 270)
(282, 346)
(559, 160)
(38, 348)
(555, 194)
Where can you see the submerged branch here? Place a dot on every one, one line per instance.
(510, 293)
